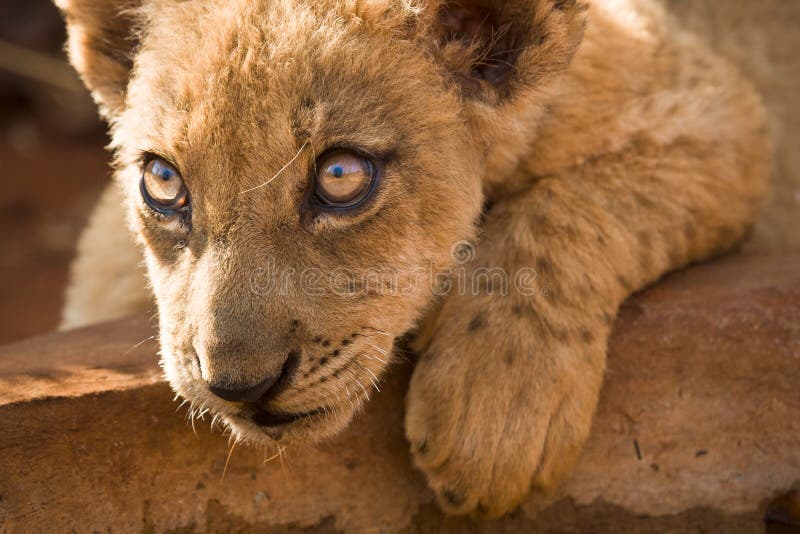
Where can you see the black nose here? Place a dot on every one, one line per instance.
(267, 388)
(251, 394)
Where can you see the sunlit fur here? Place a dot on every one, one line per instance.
(617, 149)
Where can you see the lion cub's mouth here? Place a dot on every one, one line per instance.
(266, 418)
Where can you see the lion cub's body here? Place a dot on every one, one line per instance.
(607, 159)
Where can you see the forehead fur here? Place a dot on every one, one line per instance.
(211, 73)
(232, 91)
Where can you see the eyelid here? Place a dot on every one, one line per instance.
(145, 157)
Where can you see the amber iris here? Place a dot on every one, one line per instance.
(344, 179)
(163, 188)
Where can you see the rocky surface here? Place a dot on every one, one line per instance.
(698, 430)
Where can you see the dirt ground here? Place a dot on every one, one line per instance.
(53, 163)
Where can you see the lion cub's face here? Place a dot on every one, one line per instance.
(298, 171)
(293, 174)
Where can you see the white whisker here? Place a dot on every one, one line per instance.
(228, 459)
(374, 378)
(382, 351)
(376, 358)
(279, 172)
(280, 455)
(139, 344)
(268, 460)
(193, 412)
(381, 332)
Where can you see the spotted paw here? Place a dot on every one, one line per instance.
(490, 416)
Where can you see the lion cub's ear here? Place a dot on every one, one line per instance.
(102, 40)
(496, 46)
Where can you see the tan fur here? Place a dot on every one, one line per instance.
(607, 157)
(108, 280)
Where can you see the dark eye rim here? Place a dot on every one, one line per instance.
(376, 166)
(155, 205)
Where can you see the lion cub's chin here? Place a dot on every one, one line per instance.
(266, 426)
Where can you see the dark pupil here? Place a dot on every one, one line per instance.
(338, 171)
(162, 172)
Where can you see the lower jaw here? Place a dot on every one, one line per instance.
(277, 425)
(308, 427)
(269, 419)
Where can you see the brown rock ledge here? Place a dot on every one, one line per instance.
(698, 429)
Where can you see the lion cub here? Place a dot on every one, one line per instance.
(269, 153)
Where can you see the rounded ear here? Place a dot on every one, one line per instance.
(493, 47)
(101, 44)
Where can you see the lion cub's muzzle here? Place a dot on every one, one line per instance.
(254, 400)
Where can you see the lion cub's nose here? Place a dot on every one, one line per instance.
(236, 374)
(251, 394)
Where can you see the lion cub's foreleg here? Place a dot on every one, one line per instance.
(506, 386)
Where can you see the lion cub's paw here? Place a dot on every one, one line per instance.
(487, 422)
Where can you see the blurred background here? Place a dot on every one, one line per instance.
(53, 163)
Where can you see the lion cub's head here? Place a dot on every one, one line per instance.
(296, 170)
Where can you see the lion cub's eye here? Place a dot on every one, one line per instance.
(163, 188)
(344, 179)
